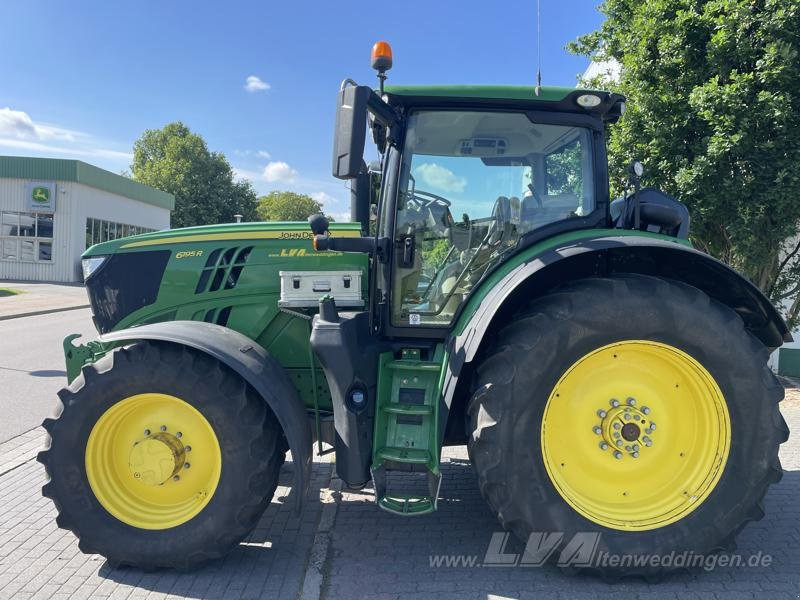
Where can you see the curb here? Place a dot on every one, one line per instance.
(314, 578)
(46, 311)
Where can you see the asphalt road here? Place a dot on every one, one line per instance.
(32, 366)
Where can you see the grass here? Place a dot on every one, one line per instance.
(9, 292)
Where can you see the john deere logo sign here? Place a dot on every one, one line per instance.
(41, 197)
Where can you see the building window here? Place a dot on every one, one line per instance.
(26, 236)
(98, 230)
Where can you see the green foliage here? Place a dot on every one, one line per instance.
(287, 206)
(175, 160)
(564, 171)
(714, 115)
(434, 252)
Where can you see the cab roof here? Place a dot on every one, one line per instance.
(494, 92)
(557, 99)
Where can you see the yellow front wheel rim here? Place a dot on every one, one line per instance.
(635, 435)
(153, 461)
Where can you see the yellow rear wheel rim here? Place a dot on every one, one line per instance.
(153, 461)
(635, 435)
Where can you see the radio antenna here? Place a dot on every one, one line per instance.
(538, 49)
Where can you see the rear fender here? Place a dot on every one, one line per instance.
(537, 272)
(259, 369)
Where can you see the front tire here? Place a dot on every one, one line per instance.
(558, 447)
(161, 457)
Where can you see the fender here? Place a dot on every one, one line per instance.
(258, 368)
(547, 264)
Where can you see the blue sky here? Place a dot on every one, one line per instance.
(83, 79)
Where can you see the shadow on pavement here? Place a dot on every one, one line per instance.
(48, 373)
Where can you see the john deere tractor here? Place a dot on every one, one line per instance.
(604, 374)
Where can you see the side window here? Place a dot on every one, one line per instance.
(471, 185)
(568, 181)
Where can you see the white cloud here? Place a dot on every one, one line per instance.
(263, 154)
(440, 178)
(19, 125)
(255, 84)
(21, 134)
(46, 149)
(279, 171)
(322, 197)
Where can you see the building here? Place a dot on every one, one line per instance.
(51, 210)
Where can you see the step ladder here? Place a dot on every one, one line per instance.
(406, 429)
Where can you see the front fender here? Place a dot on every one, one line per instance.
(255, 365)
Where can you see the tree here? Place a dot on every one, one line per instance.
(714, 114)
(287, 206)
(175, 160)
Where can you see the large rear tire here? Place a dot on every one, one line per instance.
(161, 457)
(564, 413)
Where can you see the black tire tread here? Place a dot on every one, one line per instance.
(499, 364)
(258, 425)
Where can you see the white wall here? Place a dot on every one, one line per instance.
(75, 203)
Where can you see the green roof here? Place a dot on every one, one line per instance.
(57, 169)
(498, 92)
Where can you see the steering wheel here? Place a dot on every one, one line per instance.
(422, 199)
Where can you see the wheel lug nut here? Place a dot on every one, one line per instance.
(636, 447)
(597, 430)
(147, 432)
(614, 402)
(647, 441)
(617, 435)
(603, 445)
(617, 426)
(635, 455)
(188, 448)
(186, 465)
(176, 478)
(163, 428)
(631, 402)
(178, 435)
(652, 426)
(617, 454)
(646, 410)
(601, 413)
(648, 430)
(627, 417)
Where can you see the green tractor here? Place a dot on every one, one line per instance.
(605, 375)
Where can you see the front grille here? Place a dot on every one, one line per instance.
(124, 284)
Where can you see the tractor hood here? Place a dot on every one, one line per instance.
(276, 230)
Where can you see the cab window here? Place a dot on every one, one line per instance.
(471, 185)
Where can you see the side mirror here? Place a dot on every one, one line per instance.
(351, 131)
(355, 103)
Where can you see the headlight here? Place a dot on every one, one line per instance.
(90, 265)
(588, 100)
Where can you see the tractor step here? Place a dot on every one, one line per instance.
(404, 504)
(396, 408)
(405, 455)
(406, 429)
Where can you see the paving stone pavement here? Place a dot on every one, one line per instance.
(370, 554)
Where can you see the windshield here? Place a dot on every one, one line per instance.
(471, 184)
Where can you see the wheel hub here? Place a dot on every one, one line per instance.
(625, 428)
(156, 459)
